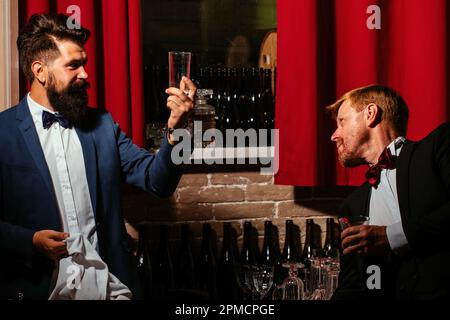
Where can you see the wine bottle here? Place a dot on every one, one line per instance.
(248, 260)
(228, 119)
(206, 269)
(290, 252)
(228, 281)
(253, 101)
(243, 97)
(309, 247)
(331, 247)
(164, 275)
(248, 254)
(185, 275)
(274, 82)
(220, 97)
(144, 266)
(204, 77)
(234, 107)
(268, 254)
(214, 74)
(267, 101)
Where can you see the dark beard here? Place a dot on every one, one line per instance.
(71, 102)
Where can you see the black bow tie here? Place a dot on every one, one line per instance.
(49, 118)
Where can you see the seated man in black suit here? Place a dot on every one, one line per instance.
(403, 252)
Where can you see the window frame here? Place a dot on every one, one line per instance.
(9, 60)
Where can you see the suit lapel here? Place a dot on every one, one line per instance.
(361, 200)
(90, 162)
(402, 176)
(367, 189)
(28, 130)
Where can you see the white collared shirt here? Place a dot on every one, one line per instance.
(83, 274)
(384, 209)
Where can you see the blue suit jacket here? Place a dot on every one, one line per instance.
(28, 202)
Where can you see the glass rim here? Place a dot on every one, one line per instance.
(180, 52)
(359, 218)
(352, 221)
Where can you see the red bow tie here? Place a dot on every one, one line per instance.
(385, 161)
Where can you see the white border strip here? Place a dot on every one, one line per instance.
(7, 50)
(233, 153)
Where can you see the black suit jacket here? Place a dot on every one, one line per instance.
(423, 187)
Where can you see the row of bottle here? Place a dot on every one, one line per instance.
(242, 97)
(211, 277)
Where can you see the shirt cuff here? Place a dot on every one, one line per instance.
(397, 239)
(165, 148)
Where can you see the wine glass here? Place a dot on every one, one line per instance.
(246, 278)
(318, 291)
(331, 277)
(263, 279)
(293, 287)
(323, 280)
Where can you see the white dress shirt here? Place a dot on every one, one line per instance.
(83, 274)
(384, 209)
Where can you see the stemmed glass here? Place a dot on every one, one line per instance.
(263, 279)
(292, 287)
(246, 276)
(323, 278)
(331, 278)
(318, 291)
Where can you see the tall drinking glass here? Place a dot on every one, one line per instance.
(179, 66)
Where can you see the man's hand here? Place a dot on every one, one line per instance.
(180, 102)
(365, 239)
(50, 243)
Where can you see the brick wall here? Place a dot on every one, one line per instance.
(231, 197)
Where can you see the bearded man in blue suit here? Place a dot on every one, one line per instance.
(62, 234)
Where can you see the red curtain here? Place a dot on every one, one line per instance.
(114, 56)
(325, 49)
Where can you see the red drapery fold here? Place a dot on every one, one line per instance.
(114, 56)
(325, 49)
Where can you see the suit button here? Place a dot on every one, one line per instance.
(415, 277)
(402, 288)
